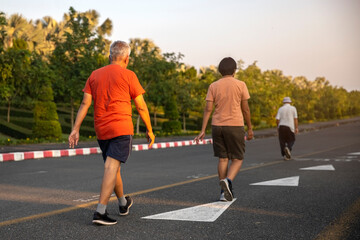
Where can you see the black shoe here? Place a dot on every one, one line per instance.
(226, 186)
(124, 210)
(287, 153)
(103, 219)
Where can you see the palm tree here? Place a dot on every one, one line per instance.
(17, 28)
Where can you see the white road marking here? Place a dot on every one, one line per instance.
(290, 182)
(203, 213)
(355, 153)
(198, 176)
(328, 167)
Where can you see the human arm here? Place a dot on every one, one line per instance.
(246, 113)
(207, 112)
(145, 117)
(83, 109)
(296, 125)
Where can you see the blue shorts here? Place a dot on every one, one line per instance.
(118, 148)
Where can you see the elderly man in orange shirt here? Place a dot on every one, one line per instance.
(111, 88)
(230, 97)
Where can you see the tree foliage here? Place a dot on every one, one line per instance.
(80, 52)
(45, 63)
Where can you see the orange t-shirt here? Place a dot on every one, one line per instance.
(112, 87)
(227, 94)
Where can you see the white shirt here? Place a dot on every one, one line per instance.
(286, 115)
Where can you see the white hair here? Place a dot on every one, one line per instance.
(119, 49)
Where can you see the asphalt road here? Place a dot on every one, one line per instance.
(55, 198)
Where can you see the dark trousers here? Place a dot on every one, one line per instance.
(286, 138)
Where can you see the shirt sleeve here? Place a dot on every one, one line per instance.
(295, 113)
(245, 93)
(135, 87)
(210, 95)
(87, 88)
(278, 115)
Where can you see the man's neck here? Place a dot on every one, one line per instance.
(120, 63)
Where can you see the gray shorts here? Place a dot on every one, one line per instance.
(228, 142)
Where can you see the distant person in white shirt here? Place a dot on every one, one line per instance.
(287, 125)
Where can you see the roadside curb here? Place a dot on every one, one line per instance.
(19, 156)
(27, 155)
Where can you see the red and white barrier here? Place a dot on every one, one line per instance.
(19, 156)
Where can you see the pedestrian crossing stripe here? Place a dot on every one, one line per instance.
(328, 167)
(203, 213)
(289, 181)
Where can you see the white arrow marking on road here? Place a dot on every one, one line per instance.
(355, 153)
(290, 181)
(320, 168)
(203, 213)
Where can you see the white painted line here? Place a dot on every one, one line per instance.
(203, 213)
(290, 181)
(320, 168)
(355, 153)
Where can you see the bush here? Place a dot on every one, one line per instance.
(46, 119)
(14, 112)
(47, 129)
(27, 123)
(13, 130)
(45, 111)
(171, 126)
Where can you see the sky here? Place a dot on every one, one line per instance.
(311, 38)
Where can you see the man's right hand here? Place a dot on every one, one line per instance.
(73, 138)
(199, 137)
(150, 138)
(250, 134)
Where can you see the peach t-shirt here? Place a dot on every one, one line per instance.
(227, 94)
(112, 87)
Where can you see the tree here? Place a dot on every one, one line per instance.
(46, 120)
(75, 57)
(187, 81)
(14, 66)
(156, 72)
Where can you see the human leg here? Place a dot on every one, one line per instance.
(223, 168)
(112, 166)
(125, 202)
(119, 190)
(291, 140)
(282, 140)
(107, 187)
(234, 168)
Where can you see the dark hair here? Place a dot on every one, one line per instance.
(227, 66)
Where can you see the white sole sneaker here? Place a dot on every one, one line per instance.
(225, 187)
(222, 198)
(287, 153)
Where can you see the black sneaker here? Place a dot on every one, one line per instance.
(103, 219)
(226, 186)
(287, 153)
(124, 210)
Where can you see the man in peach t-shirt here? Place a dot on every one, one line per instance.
(111, 88)
(230, 97)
